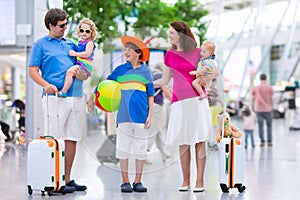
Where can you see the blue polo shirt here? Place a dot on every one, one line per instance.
(136, 85)
(51, 55)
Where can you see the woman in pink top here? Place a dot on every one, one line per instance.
(190, 118)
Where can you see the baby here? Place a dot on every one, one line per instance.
(206, 66)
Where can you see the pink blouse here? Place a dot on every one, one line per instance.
(263, 97)
(181, 63)
(249, 122)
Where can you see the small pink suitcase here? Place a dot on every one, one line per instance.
(45, 165)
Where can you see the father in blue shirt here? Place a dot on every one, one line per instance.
(50, 56)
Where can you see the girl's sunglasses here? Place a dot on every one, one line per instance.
(84, 30)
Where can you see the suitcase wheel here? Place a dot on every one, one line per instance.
(224, 188)
(294, 129)
(29, 189)
(49, 193)
(241, 188)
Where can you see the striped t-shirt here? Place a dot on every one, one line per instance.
(136, 86)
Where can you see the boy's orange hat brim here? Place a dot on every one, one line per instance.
(136, 40)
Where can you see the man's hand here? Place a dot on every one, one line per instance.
(72, 53)
(50, 89)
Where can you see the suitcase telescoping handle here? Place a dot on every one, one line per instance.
(46, 136)
(224, 111)
(48, 118)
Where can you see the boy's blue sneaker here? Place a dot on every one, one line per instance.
(126, 187)
(76, 186)
(138, 187)
(62, 94)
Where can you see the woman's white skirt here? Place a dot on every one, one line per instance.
(189, 122)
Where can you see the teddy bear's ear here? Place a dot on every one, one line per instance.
(226, 115)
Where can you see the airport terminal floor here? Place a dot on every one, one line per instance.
(270, 173)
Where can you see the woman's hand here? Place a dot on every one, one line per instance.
(202, 82)
(81, 74)
(208, 77)
(193, 72)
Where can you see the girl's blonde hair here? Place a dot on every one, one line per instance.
(91, 24)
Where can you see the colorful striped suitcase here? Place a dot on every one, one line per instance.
(45, 165)
(231, 160)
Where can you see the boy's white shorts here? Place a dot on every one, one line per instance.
(132, 139)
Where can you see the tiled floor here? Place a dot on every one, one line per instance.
(270, 172)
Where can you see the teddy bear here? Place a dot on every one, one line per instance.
(229, 129)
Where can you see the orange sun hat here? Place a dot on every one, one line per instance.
(137, 40)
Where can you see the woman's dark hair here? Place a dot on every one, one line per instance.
(187, 38)
(132, 46)
(53, 16)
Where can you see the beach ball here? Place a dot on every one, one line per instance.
(108, 95)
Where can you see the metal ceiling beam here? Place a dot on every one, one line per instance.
(6, 50)
(269, 46)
